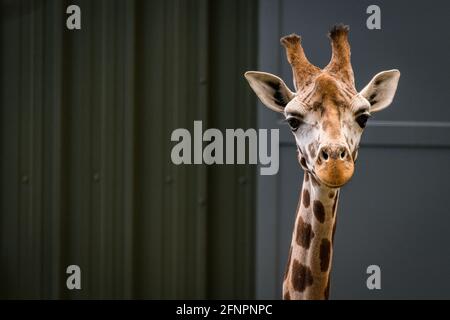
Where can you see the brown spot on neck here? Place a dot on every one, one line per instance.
(301, 276)
(325, 254)
(319, 211)
(306, 198)
(286, 296)
(304, 233)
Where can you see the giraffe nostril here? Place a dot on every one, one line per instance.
(324, 155)
(343, 154)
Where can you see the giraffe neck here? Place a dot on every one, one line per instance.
(308, 269)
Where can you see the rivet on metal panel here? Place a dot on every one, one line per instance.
(242, 180)
(202, 81)
(201, 201)
(169, 179)
(96, 177)
(25, 179)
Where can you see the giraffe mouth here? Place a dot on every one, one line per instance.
(332, 186)
(335, 174)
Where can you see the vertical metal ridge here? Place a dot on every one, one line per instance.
(170, 89)
(24, 154)
(117, 144)
(55, 174)
(86, 212)
(129, 147)
(10, 167)
(62, 176)
(200, 250)
(37, 142)
(165, 218)
(177, 211)
(93, 173)
(96, 44)
(104, 273)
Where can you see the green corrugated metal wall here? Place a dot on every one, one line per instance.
(86, 118)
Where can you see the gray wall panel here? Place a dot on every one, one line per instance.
(394, 212)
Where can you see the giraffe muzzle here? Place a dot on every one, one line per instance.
(334, 165)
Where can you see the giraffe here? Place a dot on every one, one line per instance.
(327, 116)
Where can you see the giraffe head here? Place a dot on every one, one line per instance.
(326, 113)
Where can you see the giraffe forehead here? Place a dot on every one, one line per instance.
(326, 91)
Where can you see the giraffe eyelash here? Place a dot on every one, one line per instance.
(294, 122)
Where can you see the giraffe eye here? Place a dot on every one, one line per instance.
(294, 123)
(362, 119)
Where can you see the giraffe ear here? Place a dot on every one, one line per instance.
(270, 89)
(381, 89)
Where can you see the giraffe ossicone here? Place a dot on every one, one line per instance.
(327, 116)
